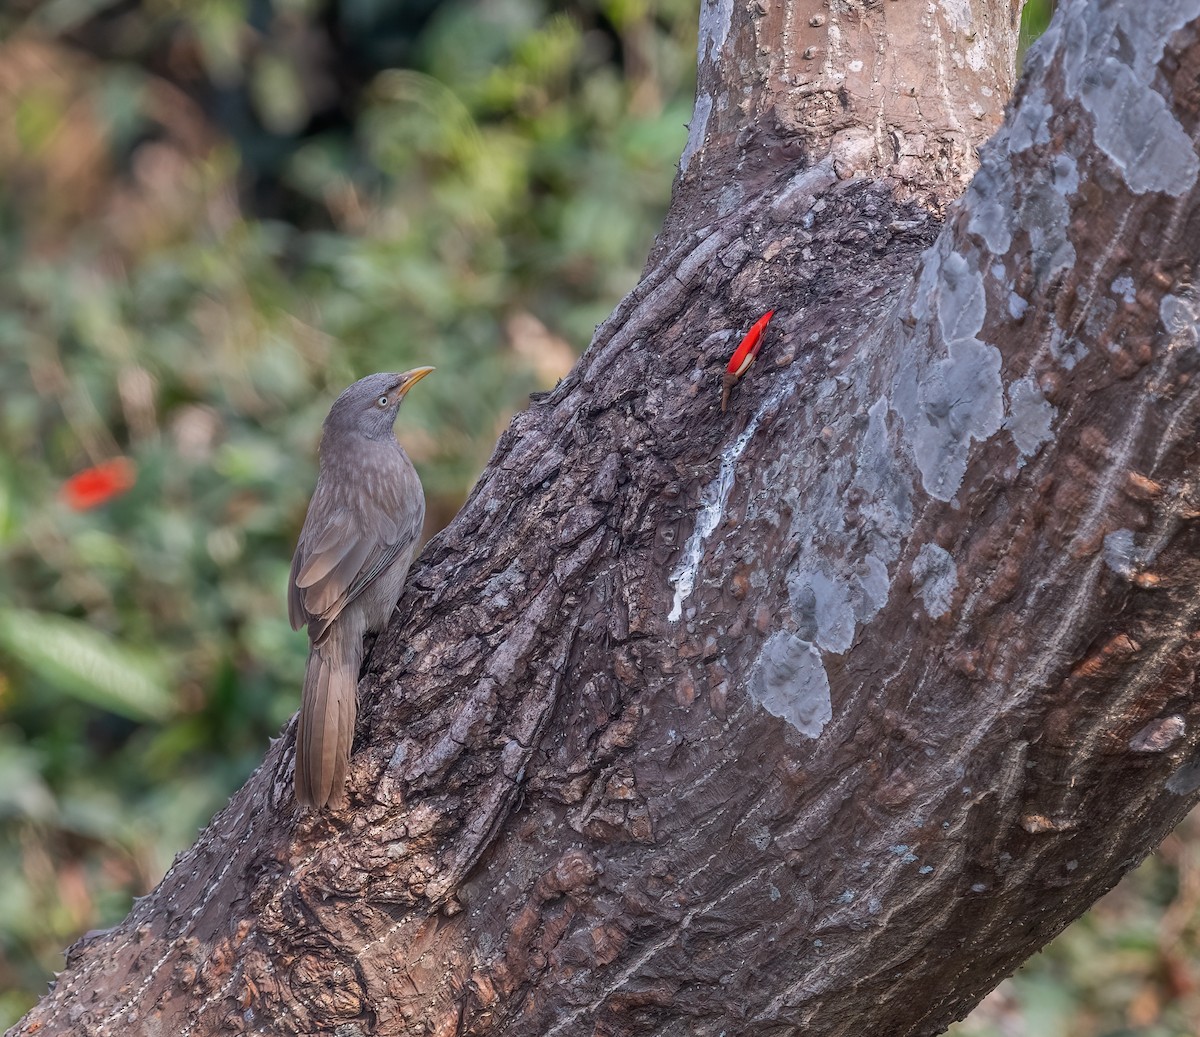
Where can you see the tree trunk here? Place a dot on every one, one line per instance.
(819, 715)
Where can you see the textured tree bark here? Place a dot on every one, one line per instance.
(820, 715)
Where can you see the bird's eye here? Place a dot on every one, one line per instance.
(382, 401)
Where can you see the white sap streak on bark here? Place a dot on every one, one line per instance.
(712, 504)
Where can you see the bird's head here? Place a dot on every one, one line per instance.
(369, 406)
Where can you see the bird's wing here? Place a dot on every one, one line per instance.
(343, 547)
(296, 614)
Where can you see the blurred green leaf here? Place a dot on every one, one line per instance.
(23, 793)
(85, 663)
(278, 94)
(220, 26)
(38, 115)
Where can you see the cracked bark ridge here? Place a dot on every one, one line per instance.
(819, 716)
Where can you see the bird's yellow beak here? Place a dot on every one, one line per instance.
(410, 378)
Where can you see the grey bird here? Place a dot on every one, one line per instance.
(359, 537)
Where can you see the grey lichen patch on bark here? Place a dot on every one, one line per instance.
(822, 608)
(1180, 315)
(935, 577)
(789, 681)
(1045, 214)
(1120, 552)
(716, 19)
(697, 129)
(957, 14)
(828, 598)
(990, 202)
(1029, 123)
(1040, 209)
(1030, 416)
(886, 504)
(947, 402)
(1109, 56)
(1159, 735)
(1186, 779)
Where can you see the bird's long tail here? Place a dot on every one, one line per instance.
(327, 713)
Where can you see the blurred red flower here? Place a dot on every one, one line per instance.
(94, 486)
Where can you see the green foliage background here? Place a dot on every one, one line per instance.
(213, 216)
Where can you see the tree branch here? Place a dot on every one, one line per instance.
(804, 717)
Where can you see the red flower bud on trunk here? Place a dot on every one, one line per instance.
(744, 356)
